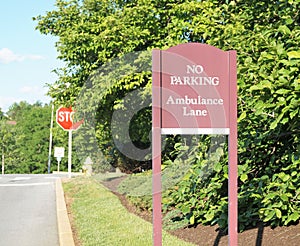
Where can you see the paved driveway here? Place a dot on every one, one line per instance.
(28, 210)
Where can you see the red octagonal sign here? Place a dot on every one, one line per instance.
(64, 118)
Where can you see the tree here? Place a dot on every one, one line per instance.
(8, 143)
(26, 142)
(30, 137)
(266, 36)
(1, 114)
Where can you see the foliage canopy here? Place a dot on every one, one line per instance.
(24, 137)
(266, 36)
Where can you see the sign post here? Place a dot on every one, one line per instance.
(194, 92)
(64, 118)
(70, 153)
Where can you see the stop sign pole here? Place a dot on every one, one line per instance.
(70, 154)
(64, 118)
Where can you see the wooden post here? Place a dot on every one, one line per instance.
(156, 149)
(70, 154)
(233, 169)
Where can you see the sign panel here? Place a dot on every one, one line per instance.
(59, 152)
(194, 91)
(64, 118)
(195, 87)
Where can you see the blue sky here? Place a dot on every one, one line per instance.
(27, 57)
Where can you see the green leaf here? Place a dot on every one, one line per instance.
(284, 30)
(262, 85)
(283, 91)
(192, 220)
(294, 113)
(255, 195)
(277, 120)
(269, 216)
(284, 120)
(294, 173)
(294, 216)
(244, 177)
(273, 125)
(185, 209)
(290, 20)
(294, 54)
(168, 162)
(278, 213)
(280, 49)
(284, 197)
(242, 116)
(210, 215)
(218, 167)
(284, 177)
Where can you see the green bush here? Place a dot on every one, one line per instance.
(266, 36)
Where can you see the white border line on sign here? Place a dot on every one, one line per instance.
(190, 131)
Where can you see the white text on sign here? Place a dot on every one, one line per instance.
(65, 116)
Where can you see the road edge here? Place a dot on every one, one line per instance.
(64, 227)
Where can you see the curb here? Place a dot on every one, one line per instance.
(64, 228)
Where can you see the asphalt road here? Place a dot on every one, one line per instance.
(28, 210)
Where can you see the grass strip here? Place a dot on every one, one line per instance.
(101, 219)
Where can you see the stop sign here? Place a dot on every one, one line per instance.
(64, 118)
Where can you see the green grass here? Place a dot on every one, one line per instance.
(101, 219)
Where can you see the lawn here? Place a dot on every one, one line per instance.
(100, 218)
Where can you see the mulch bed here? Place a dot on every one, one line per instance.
(212, 236)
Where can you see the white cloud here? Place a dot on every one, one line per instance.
(8, 56)
(6, 102)
(30, 94)
(33, 91)
(34, 57)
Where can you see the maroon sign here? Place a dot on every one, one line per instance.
(194, 92)
(195, 87)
